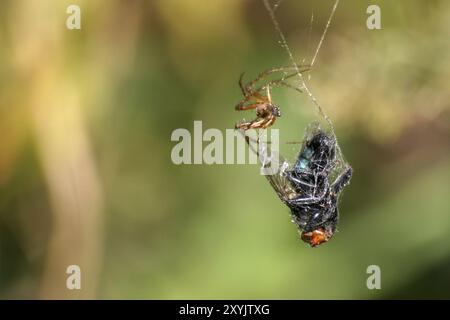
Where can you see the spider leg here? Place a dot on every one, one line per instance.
(268, 95)
(258, 123)
(280, 82)
(240, 107)
(245, 125)
(270, 121)
(252, 96)
(241, 85)
(262, 75)
(285, 84)
(254, 124)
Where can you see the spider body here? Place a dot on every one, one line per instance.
(260, 99)
(266, 111)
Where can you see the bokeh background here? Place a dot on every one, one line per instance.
(86, 176)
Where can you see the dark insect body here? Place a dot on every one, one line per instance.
(307, 190)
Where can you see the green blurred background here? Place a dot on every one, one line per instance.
(86, 176)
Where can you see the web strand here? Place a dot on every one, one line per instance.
(276, 5)
(295, 65)
(324, 32)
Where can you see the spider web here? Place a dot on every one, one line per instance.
(301, 84)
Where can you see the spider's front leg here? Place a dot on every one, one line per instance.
(244, 88)
(255, 124)
(255, 98)
(240, 106)
(264, 74)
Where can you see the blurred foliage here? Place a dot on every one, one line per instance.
(86, 176)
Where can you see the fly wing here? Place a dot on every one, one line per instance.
(274, 168)
(281, 186)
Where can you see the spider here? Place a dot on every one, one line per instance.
(307, 190)
(266, 111)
